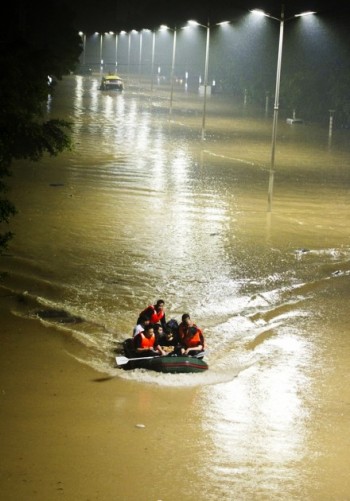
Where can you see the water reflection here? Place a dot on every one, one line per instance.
(261, 417)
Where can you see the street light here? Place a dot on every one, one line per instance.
(163, 27)
(116, 52)
(281, 20)
(108, 38)
(101, 47)
(174, 30)
(129, 49)
(83, 36)
(152, 58)
(140, 57)
(97, 34)
(140, 54)
(206, 64)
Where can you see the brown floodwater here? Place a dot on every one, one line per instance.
(142, 209)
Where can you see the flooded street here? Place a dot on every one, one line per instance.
(142, 209)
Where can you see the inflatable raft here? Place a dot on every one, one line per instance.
(170, 363)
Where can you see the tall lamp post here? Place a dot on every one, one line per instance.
(174, 30)
(140, 56)
(83, 37)
(123, 33)
(206, 65)
(116, 52)
(129, 51)
(152, 57)
(281, 20)
(101, 48)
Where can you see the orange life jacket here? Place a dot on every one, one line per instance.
(147, 342)
(193, 341)
(156, 315)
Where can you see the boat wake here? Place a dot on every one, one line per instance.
(243, 326)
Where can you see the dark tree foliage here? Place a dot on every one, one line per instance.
(35, 42)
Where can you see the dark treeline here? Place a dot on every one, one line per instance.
(36, 42)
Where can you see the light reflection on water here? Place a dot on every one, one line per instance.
(258, 423)
(145, 211)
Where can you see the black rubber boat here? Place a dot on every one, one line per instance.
(169, 363)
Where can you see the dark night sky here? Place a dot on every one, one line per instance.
(105, 15)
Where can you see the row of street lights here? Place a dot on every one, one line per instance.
(207, 27)
(174, 30)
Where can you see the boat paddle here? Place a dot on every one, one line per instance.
(124, 360)
(120, 361)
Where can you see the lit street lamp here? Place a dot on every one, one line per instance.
(116, 52)
(206, 64)
(162, 28)
(129, 50)
(281, 20)
(83, 36)
(152, 58)
(101, 47)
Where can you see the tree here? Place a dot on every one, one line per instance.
(35, 42)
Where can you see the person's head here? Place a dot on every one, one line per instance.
(159, 305)
(186, 319)
(149, 330)
(144, 320)
(169, 334)
(158, 329)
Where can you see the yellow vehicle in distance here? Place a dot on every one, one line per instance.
(112, 82)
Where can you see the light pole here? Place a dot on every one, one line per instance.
(174, 30)
(145, 30)
(108, 39)
(99, 37)
(129, 48)
(123, 34)
(172, 73)
(101, 46)
(152, 58)
(206, 66)
(140, 59)
(116, 52)
(83, 36)
(275, 113)
(281, 20)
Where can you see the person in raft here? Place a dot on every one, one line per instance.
(166, 338)
(190, 337)
(155, 313)
(142, 321)
(146, 343)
